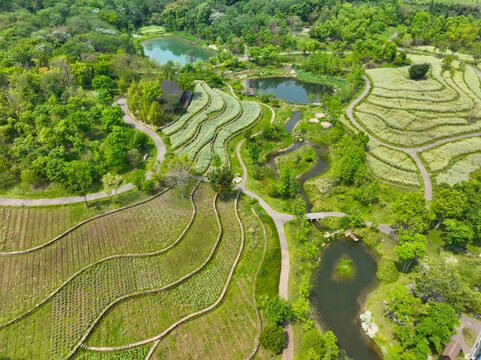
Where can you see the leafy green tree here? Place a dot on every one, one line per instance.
(111, 183)
(102, 82)
(220, 179)
(448, 203)
(457, 233)
(275, 309)
(418, 71)
(411, 249)
(186, 81)
(79, 178)
(272, 338)
(287, 185)
(409, 212)
(178, 173)
(254, 151)
(156, 114)
(298, 207)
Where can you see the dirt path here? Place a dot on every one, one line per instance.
(161, 150)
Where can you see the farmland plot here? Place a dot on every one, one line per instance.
(68, 315)
(439, 158)
(460, 170)
(199, 101)
(412, 113)
(29, 278)
(131, 321)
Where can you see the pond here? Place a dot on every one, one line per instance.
(289, 89)
(337, 302)
(175, 49)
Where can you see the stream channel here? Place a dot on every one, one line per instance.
(337, 303)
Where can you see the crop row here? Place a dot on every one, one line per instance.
(440, 157)
(392, 174)
(137, 353)
(25, 227)
(394, 158)
(250, 115)
(191, 129)
(27, 279)
(460, 170)
(146, 316)
(209, 128)
(199, 101)
(74, 308)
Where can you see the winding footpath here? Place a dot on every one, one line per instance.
(161, 150)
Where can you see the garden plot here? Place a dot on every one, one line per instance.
(392, 174)
(190, 130)
(460, 170)
(208, 129)
(412, 113)
(199, 101)
(29, 278)
(146, 316)
(439, 158)
(391, 157)
(250, 115)
(75, 307)
(25, 227)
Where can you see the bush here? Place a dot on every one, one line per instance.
(387, 271)
(369, 236)
(272, 338)
(418, 71)
(275, 309)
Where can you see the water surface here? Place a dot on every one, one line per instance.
(337, 302)
(290, 89)
(292, 122)
(175, 49)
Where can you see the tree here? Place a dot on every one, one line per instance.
(171, 102)
(418, 71)
(111, 183)
(102, 82)
(298, 207)
(178, 173)
(409, 212)
(437, 324)
(448, 203)
(254, 151)
(272, 338)
(287, 186)
(457, 233)
(411, 249)
(79, 177)
(156, 114)
(220, 179)
(186, 81)
(275, 309)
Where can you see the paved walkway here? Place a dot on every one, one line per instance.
(161, 150)
(466, 322)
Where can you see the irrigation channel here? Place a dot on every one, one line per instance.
(336, 302)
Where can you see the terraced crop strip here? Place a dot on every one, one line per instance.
(195, 123)
(411, 113)
(392, 165)
(454, 161)
(199, 101)
(25, 227)
(131, 320)
(67, 316)
(27, 279)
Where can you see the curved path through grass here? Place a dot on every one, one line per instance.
(161, 150)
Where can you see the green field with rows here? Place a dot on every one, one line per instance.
(412, 114)
(128, 276)
(211, 120)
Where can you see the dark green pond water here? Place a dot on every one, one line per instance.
(175, 49)
(337, 302)
(290, 89)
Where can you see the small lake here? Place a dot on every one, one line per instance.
(337, 302)
(289, 89)
(174, 48)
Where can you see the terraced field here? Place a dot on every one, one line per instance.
(176, 256)
(211, 120)
(411, 115)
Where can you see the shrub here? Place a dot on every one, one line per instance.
(276, 309)
(272, 338)
(370, 237)
(418, 71)
(387, 271)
